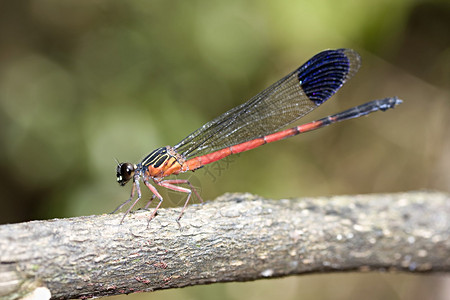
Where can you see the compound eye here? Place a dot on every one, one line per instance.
(125, 172)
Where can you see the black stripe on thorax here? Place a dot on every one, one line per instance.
(156, 157)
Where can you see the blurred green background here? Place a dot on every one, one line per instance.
(84, 82)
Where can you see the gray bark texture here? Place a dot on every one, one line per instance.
(237, 237)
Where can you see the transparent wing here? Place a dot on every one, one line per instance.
(282, 103)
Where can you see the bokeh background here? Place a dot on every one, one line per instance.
(85, 82)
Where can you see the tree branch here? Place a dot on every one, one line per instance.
(237, 237)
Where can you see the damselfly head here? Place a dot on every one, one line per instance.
(125, 171)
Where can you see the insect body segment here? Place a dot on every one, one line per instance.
(162, 162)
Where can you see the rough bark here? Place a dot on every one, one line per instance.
(237, 237)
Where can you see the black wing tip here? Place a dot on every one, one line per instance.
(322, 75)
